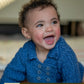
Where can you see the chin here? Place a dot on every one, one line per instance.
(50, 46)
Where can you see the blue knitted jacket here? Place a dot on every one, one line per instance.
(61, 66)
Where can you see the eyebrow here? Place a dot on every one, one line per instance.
(39, 22)
(54, 19)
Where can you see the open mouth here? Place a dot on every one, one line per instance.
(49, 39)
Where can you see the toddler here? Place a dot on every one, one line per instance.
(46, 58)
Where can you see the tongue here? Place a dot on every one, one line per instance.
(49, 40)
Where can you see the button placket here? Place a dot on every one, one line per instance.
(39, 65)
(47, 73)
(39, 72)
(47, 68)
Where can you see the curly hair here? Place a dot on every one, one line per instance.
(32, 5)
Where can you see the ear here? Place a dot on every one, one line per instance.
(26, 33)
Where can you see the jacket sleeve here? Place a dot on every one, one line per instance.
(81, 67)
(70, 67)
(15, 70)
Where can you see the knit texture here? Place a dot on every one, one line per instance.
(60, 66)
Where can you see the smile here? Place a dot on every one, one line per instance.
(49, 39)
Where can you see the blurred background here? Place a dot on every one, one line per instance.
(72, 28)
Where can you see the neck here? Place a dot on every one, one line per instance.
(41, 54)
(42, 51)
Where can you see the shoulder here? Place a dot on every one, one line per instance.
(61, 48)
(26, 47)
(64, 47)
(62, 42)
(23, 53)
(65, 51)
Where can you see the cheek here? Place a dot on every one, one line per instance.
(57, 31)
(38, 36)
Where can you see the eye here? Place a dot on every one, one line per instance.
(39, 25)
(54, 22)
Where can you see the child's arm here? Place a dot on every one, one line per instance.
(15, 71)
(70, 69)
(81, 67)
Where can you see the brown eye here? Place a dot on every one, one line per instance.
(54, 22)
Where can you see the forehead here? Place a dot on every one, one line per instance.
(39, 11)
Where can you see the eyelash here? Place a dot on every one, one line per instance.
(39, 25)
(54, 22)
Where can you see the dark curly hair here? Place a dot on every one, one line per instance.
(32, 5)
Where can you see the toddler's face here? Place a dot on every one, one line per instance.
(43, 27)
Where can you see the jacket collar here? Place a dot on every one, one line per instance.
(53, 53)
(32, 50)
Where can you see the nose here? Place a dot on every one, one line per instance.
(49, 29)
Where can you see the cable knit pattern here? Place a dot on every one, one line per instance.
(61, 65)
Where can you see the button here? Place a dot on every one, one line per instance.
(48, 79)
(39, 66)
(38, 78)
(39, 71)
(48, 73)
(47, 68)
